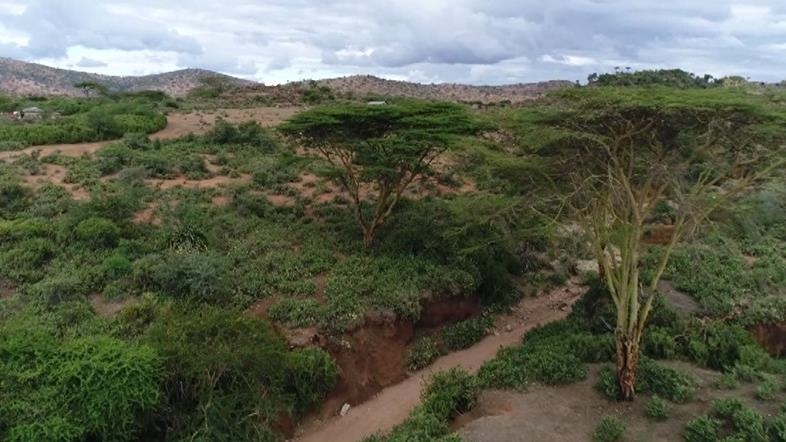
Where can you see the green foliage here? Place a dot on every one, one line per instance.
(657, 408)
(548, 355)
(777, 428)
(248, 133)
(446, 395)
(651, 378)
(217, 363)
(387, 145)
(742, 421)
(295, 312)
(767, 389)
(189, 276)
(86, 120)
(609, 429)
(465, 333)
(82, 388)
(676, 78)
(97, 233)
(422, 353)
(702, 429)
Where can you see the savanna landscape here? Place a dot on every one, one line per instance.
(359, 259)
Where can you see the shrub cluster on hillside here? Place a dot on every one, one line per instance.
(81, 120)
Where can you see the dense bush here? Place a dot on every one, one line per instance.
(217, 364)
(446, 395)
(97, 233)
(702, 429)
(465, 333)
(651, 378)
(546, 356)
(94, 120)
(87, 388)
(422, 353)
(190, 276)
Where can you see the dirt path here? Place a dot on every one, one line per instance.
(178, 125)
(392, 405)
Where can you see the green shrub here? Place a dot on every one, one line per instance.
(609, 429)
(446, 395)
(703, 429)
(657, 408)
(744, 421)
(295, 312)
(74, 389)
(193, 276)
(465, 333)
(422, 353)
(766, 390)
(777, 428)
(651, 378)
(665, 382)
(230, 376)
(727, 381)
(97, 233)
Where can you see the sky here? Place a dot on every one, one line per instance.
(427, 41)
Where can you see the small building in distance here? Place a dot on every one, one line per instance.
(376, 103)
(31, 113)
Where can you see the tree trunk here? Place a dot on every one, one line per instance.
(368, 237)
(627, 364)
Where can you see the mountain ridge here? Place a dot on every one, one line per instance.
(24, 78)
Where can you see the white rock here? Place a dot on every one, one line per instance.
(344, 409)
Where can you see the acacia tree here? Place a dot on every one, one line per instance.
(378, 151)
(626, 158)
(91, 86)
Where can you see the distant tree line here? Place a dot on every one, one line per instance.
(662, 77)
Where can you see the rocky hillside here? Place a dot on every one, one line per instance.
(21, 78)
(369, 85)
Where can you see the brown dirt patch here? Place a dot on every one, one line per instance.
(107, 308)
(772, 337)
(181, 124)
(208, 183)
(147, 215)
(570, 413)
(178, 125)
(55, 174)
(444, 311)
(281, 200)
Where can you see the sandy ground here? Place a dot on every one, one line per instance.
(571, 412)
(392, 405)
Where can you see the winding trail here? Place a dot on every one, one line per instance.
(392, 405)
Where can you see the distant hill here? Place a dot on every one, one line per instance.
(370, 85)
(22, 78)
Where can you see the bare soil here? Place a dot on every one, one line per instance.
(571, 412)
(393, 404)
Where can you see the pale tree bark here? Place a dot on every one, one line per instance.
(630, 173)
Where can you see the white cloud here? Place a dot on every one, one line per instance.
(476, 41)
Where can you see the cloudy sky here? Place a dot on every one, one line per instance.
(468, 41)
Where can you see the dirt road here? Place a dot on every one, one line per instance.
(392, 405)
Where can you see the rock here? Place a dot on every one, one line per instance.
(344, 409)
(586, 266)
(509, 328)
